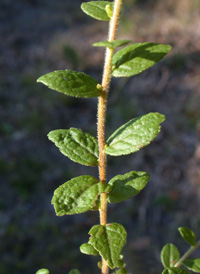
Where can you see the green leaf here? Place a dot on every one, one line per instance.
(74, 271)
(112, 44)
(88, 249)
(192, 264)
(42, 271)
(188, 235)
(79, 146)
(97, 9)
(72, 83)
(169, 255)
(174, 270)
(138, 57)
(134, 135)
(108, 240)
(126, 186)
(77, 195)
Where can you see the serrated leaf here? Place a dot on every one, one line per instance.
(134, 135)
(97, 9)
(192, 264)
(112, 44)
(188, 235)
(79, 146)
(77, 195)
(138, 57)
(42, 271)
(126, 186)
(174, 270)
(108, 240)
(72, 83)
(74, 271)
(169, 255)
(88, 249)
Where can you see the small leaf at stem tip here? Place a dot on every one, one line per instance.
(74, 271)
(76, 196)
(137, 57)
(78, 146)
(42, 271)
(71, 83)
(192, 264)
(169, 255)
(112, 44)
(97, 9)
(108, 240)
(126, 186)
(88, 249)
(109, 11)
(174, 270)
(188, 235)
(134, 135)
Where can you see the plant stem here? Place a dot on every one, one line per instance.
(102, 104)
(187, 254)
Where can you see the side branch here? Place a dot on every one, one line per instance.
(187, 254)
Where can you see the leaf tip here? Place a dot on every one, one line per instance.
(163, 117)
(188, 235)
(160, 117)
(82, 6)
(169, 47)
(50, 136)
(39, 80)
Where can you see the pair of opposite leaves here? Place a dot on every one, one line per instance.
(81, 147)
(127, 62)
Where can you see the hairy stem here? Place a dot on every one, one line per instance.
(187, 254)
(102, 104)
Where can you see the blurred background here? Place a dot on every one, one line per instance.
(41, 36)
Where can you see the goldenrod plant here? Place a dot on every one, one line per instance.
(84, 193)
